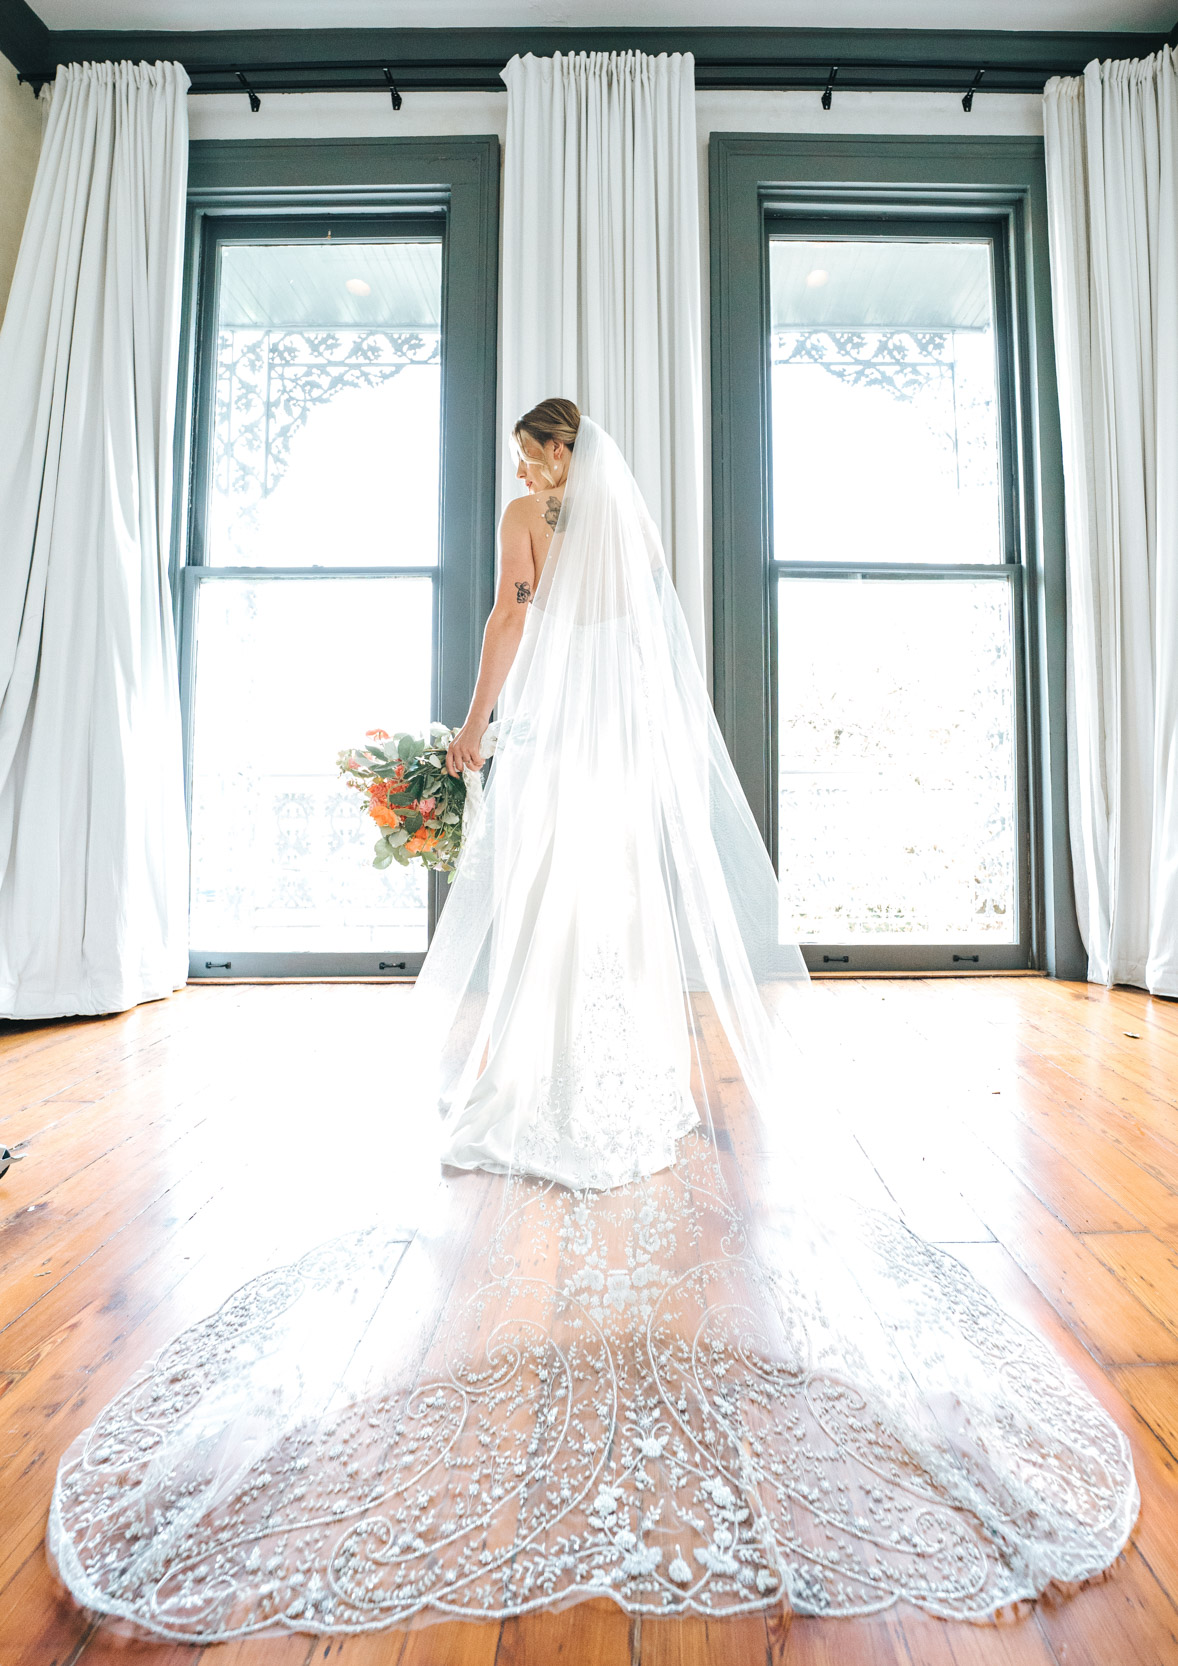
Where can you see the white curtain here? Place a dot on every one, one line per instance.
(93, 859)
(1112, 174)
(601, 290)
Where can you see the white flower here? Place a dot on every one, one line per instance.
(716, 1559)
(642, 1561)
(679, 1571)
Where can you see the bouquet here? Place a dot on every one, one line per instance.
(416, 804)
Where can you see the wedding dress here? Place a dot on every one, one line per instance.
(636, 1342)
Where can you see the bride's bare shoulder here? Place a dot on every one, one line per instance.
(518, 511)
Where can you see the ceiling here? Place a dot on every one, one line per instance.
(1145, 15)
(854, 284)
(389, 285)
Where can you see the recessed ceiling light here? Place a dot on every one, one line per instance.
(814, 279)
(357, 286)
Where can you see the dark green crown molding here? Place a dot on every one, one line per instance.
(24, 39)
(471, 59)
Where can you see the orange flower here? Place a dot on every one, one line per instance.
(383, 816)
(424, 839)
(376, 734)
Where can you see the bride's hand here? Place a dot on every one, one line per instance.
(463, 751)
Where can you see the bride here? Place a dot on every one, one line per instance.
(586, 1079)
(635, 1342)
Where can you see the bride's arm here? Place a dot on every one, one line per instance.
(501, 637)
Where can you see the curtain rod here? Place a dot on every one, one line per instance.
(472, 75)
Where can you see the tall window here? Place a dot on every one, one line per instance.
(896, 591)
(311, 595)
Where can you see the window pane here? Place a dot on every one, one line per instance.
(897, 761)
(885, 428)
(289, 672)
(326, 426)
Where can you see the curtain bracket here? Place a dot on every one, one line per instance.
(255, 101)
(392, 86)
(828, 95)
(967, 101)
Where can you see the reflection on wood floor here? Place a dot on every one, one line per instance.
(1030, 1126)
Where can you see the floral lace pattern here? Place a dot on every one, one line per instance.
(610, 1111)
(621, 1396)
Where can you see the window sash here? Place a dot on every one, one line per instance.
(958, 186)
(397, 189)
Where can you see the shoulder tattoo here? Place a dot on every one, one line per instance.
(552, 511)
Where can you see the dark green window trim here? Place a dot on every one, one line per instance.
(753, 176)
(452, 183)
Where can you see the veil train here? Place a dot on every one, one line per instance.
(614, 1354)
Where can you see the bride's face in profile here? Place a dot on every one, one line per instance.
(542, 468)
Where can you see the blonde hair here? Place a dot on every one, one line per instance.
(552, 419)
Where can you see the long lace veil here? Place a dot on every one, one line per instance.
(616, 865)
(629, 1345)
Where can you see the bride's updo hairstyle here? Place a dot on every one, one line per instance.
(552, 419)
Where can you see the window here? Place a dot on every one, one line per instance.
(313, 607)
(343, 379)
(888, 569)
(897, 590)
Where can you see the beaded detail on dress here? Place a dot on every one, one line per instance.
(611, 1110)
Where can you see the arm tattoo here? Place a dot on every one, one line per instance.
(552, 512)
(523, 591)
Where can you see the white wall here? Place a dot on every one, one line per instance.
(20, 145)
(370, 115)
(344, 115)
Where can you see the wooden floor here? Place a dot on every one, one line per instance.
(1031, 1126)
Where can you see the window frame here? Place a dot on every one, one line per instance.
(755, 181)
(849, 223)
(394, 187)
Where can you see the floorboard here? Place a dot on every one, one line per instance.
(1029, 1126)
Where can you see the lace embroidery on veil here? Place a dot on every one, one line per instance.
(616, 1357)
(623, 1402)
